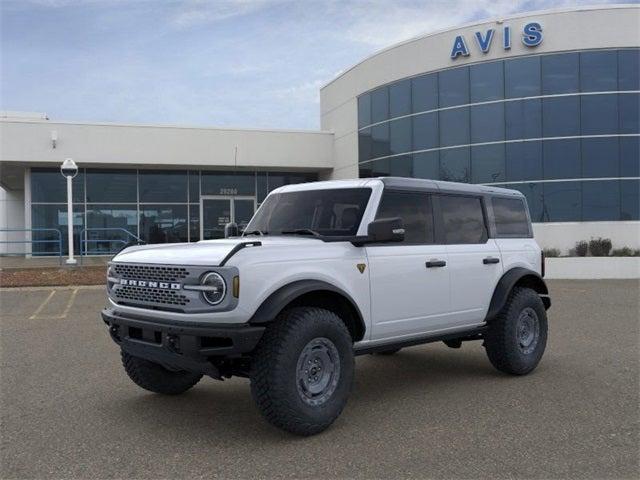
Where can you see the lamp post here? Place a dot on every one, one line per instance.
(69, 169)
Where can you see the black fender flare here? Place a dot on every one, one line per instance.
(523, 276)
(286, 294)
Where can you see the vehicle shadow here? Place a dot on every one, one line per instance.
(227, 407)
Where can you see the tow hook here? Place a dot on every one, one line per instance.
(114, 332)
(173, 343)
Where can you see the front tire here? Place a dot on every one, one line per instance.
(517, 337)
(155, 378)
(302, 370)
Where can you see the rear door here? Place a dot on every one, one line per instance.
(409, 280)
(475, 265)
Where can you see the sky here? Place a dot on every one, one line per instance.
(227, 63)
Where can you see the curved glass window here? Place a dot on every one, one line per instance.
(520, 122)
(487, 123)
(522, 77)
(424, 93)
(454, 127)
(486, 81)
(560, 73)
(599, 114)
(453, 87)
(598, 72)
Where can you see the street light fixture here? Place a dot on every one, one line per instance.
(69, 169)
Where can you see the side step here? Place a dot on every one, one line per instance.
(463, 336)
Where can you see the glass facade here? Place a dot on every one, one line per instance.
(158, 206)
(561, 128)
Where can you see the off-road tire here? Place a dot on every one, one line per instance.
(275, 385)
(502, 342)
(155, 378)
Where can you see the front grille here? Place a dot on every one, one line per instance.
(161, 296)
(149, 272)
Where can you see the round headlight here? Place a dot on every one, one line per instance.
(215, 288)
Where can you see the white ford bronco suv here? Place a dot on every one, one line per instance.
(324, 272)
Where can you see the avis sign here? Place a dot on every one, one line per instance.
(531, 37)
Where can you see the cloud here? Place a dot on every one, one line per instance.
(190, 13)
(374, 23)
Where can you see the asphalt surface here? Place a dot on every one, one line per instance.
(69, 410)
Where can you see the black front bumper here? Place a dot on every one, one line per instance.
(194, 348)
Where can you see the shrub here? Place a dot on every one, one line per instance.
(625, 252)
(581, 248)
(551, 252)
(600, 247)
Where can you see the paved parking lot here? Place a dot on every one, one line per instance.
(68, 409)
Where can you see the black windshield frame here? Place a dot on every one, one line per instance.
(320, 213)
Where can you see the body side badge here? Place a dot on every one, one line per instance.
(361, 267)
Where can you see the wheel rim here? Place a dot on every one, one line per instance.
(528, 330)
(318, 371)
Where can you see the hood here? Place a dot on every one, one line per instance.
(207, 252)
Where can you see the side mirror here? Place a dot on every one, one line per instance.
(385, 230)
(230, 230)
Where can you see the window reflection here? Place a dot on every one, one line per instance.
(49, 186)
(400, 135)
(600, 157)
(453, 86)
(400, 99)
(163, 223)
(424, 93)
(562, 202)
(487, 81)
(454, 127)
(598, 71)
(600, 201)
(561, 159)
(599, 114)
(163, 186)
(522, 77)
(629, 200)
(487, 164)
(523, 161)
(455, 165)
(560, 73)
(379, 105)
(107, 227)
(561, 116)
(55, 217)
(112, 186)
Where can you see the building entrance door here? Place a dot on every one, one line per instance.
(217, 210)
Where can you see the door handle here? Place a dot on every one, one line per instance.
(490, 260)
(436, 263)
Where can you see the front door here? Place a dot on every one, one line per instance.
(409, 280)
(217, 211)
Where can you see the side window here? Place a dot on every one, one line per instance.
(415, 211)
(463, 219)
(510, 217)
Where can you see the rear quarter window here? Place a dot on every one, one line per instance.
(510, 217)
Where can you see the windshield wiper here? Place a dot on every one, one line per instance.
(255, 232)
(301, 231)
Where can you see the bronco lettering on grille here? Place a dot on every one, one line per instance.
(150, 284)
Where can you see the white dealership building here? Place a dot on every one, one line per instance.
(544, 102)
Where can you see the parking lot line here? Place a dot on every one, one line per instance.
(42, 305)
(36, 315)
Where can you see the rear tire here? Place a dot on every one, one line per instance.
(155, 378)
(517, 337)
(302, 370)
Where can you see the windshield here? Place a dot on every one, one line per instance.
(334, 212)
